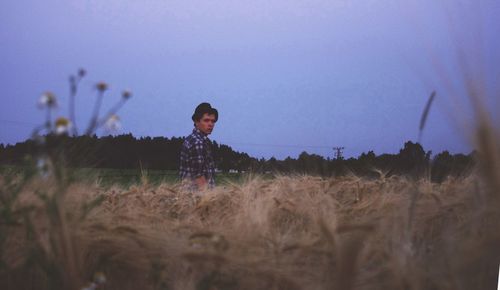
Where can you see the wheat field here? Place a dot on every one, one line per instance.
(291, 232)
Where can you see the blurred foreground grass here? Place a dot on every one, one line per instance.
(291, 232)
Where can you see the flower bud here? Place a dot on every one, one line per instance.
(126, 94)
(82, 72)
(47, 99)
(101, 86)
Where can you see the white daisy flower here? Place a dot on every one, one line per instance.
(63, 126)
(113, 123)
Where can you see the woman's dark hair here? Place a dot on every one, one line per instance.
(204, 108)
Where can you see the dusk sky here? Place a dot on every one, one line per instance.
(286, 76)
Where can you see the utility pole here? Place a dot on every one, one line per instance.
(338, 152)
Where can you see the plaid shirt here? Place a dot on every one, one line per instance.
(197, 159)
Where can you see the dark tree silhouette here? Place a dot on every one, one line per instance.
(127, 152)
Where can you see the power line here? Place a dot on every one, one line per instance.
(274, 145)
(20, 123)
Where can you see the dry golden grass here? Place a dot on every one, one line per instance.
(293, 232)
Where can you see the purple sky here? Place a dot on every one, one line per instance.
(286, 76)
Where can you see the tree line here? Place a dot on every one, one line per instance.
(161, 153)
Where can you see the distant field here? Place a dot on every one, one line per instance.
(127, 177)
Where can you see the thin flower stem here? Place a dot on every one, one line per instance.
(95, 115)
(111, 112)
(73, 90)
(48, 121)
